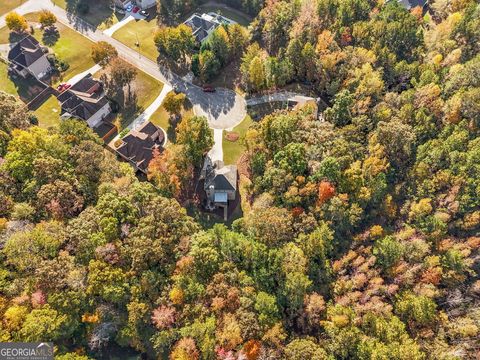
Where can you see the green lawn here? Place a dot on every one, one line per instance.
(70, 46)
(49, 113)
(141, 31)
(146, 88)
(161, 118)
(99, 13)
(232, 150)
(9, 5)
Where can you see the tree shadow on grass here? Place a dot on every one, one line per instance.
(15, 37)
(50, 36)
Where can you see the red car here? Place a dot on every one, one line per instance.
(209, 89)
(135, 9)
(63, 87)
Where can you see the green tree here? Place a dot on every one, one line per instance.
(300, 349)
(416, 310)
(195, 134)
(388, 252)
(44, 324)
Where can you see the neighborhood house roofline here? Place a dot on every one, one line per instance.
(26, 52)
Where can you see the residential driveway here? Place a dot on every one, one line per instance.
(216, 152)
(120, 24)
(147, 114)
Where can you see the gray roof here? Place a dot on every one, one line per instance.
(200, 26)
(139, 145)
(26, 52)
(410, 4)
(83, 99)
(222, 177)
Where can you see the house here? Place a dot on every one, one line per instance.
(27, 57)
(144, 4)
(410, 4)
(220, 184)
(122, 4)
(204, 24)
(139, 146)
(85, 100)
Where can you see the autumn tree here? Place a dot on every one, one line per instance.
(47, 18)
(16, 22)
(103, 53)
(174, 102)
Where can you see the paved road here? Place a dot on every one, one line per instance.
(223, 109)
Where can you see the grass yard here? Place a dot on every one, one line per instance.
(49, 113)
(141, 31)
(25, 89)
(224, 10)
(161, 118)
(146, 88)
(99, 14)
(232, 150)
(8, 5)
(70, 46)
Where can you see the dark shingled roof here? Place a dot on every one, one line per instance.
(410, 4)
(26, 52)
(139, 145)
(200, 26)
(83, 99)
(222, 177)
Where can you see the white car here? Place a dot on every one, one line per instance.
(129, 8)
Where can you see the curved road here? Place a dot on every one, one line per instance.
(224, 109)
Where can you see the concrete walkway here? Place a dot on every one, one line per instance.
(120, 24)
(80, 76)
(148, 112)
(216, 152)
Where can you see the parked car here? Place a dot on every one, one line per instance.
(208, 89)
(62, 87)
(135, 9)
(144, 13)
(129, 8)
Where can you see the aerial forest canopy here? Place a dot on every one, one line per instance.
(360, 230)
